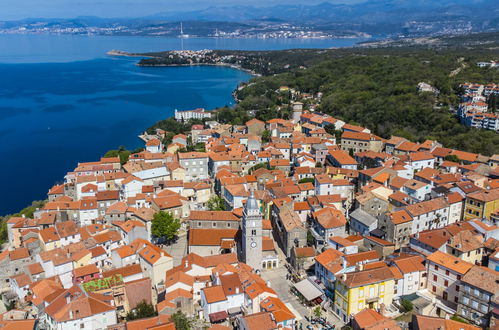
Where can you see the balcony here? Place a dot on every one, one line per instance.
(372, 299)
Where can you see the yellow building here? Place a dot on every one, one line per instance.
(481, 204)
(363, 289)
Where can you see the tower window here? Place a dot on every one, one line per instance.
(253, 232)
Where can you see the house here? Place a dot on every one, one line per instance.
(195, 164)
(302, 258)
(326, 223)
(363, 289)
(429, 214)
(154, 262)
(478, 296)
(257, 321)
(369, 319)
(255, 127)
(397, 226)
(79, 311)
(481, 204)
(444, 275)
(154, 146)
(340, 158)
(288, 228)
(362, 223)
(414, 273)
(85, 274)
(420, 322)
(360, 142)
(467, 245)
(206, 242)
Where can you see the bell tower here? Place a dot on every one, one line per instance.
(252, 234)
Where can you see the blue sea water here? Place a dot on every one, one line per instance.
(63, 101)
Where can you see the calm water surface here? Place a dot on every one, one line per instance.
(63, 101)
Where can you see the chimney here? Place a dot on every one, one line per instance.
(343, 277)
(344, 263)
(268, 284)
(237, 290)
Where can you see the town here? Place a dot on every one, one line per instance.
(308, 222)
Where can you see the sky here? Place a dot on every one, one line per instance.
(18, 9)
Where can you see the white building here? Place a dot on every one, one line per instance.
(198, 113)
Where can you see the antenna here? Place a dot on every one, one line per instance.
(181, 29)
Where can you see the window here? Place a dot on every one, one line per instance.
(466, 300)
(476, 292)
(436, 267)
(483, 308)
(446, 283)
(361, 293)
(253, 232)
(447, 272)
(456, 299)
(457, 288)
(464, 312)
(214, 224)
(474, 304)
(435, 278)
(434, 289)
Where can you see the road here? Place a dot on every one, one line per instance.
(278, 282)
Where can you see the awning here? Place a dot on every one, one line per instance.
(234, 310)
(308, 290)
(218, 316)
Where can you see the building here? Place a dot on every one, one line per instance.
(481, 204)
(199, 113)
(369, 319)
(251, 244)
(444, 275)
(363, 289)
(195, 165)
(479, 295)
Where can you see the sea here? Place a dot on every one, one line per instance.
(64, 101)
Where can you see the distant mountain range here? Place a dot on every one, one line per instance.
(386, 17)
(370, 12)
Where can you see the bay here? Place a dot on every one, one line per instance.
(64, 101)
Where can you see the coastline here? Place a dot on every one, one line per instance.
(127, 54)
(232, 66)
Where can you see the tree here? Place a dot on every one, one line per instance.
(164, 225)
(305, 180)
(455, 317)
(266, 135)
(257, 166)
(407, 305)
(310, 238)
(142, 311)
(182, 322)
(317, 311)
(216, 203)
(452, 158)
(318, 165)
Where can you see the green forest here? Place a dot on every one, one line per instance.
(379, 91)
(373, 86)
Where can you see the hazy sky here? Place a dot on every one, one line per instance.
(17, 9)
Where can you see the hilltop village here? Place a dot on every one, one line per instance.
(269, 225)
